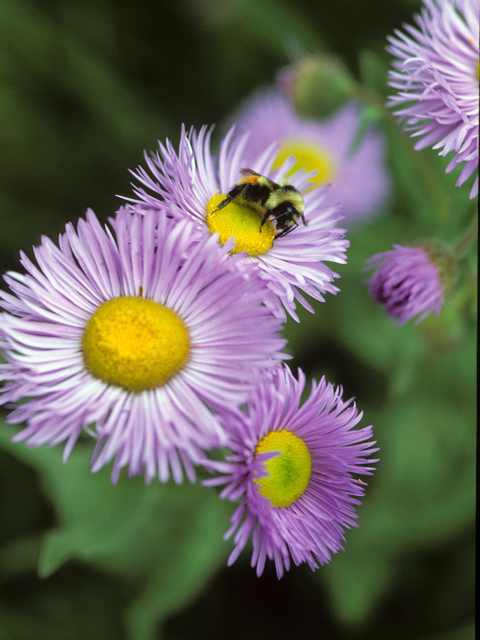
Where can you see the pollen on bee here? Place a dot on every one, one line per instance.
(250, 179)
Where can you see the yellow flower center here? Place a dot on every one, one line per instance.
(311, 157)
(242, 222)
(288, 472)
(135, 343)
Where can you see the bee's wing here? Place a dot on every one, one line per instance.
(251, 172)
(248, 172)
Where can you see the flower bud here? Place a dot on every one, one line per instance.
(412, 280)
(317, 85)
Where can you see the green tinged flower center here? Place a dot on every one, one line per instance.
(311, 157)
(288, 472)
(135, 343)
(242, 222)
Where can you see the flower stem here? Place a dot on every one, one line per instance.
(436, 191)
(470, 235)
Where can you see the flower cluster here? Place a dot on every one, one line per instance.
(158, 336)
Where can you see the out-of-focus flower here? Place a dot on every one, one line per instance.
(359, 180)
(436, 75)
(411, 280)
(294, 469)
(140, 335)
(189, 185)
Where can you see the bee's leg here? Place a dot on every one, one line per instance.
(303, 219)
(266, 215)
(286, 231)
(223, 203)
(231, 195)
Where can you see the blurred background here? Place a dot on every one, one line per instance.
(84, 89)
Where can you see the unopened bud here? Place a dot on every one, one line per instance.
(317, 85)
(412, 281)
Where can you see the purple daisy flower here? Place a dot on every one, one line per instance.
(358, 180)
(137, 337)
(189, 185)
(436, 71)
(407, 282)
(294, 469)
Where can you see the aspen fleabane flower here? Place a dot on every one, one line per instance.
(189, 185)
(436, 74)
(138, 337)
(294, 469)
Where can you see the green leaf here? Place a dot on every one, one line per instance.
(168, 537)
(356, 582)
(189, 554)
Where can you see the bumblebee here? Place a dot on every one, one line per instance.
(281, 201)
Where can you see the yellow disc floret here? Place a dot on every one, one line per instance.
(135, 343)
(288, 472)
(240, 221)
(310, 157)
